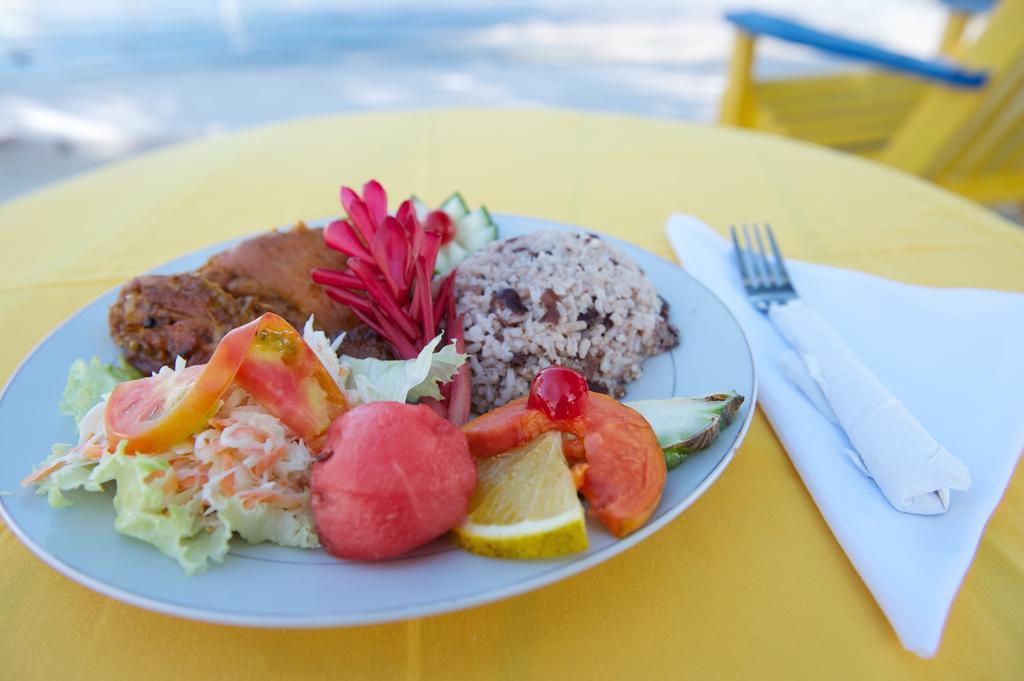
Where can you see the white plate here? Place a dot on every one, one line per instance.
(272, 586)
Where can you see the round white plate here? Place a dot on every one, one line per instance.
(272, 586)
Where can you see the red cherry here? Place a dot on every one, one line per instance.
(438, 221)
(558, 392)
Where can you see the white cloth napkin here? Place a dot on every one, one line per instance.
(951, 356)
(891, 446)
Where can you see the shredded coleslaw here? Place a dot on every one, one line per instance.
(246, 473)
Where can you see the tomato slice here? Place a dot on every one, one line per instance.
(267, 357)
(625, 468)
(136, 410)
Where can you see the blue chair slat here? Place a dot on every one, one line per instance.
(757, 23)
(969, 6)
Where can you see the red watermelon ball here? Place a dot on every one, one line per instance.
(398, 476)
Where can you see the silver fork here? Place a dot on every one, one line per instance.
(765, 279)
(845, 390)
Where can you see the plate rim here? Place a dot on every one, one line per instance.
(392, 613)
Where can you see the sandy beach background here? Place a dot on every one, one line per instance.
(84, 83)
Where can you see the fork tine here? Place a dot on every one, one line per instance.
(783, 275)
(757, 275)
(762, 255)
(740, 260)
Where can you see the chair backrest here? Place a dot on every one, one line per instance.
(963, 138)
(960, 12)
(969, 6)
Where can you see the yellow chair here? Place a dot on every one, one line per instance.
(960, 125)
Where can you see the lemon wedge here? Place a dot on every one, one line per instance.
(525, 505)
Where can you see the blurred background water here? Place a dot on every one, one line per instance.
(83, 83)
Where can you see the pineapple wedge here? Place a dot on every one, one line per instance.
(688, 424)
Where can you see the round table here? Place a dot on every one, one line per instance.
(748, 582)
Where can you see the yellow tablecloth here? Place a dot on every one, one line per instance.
(748, 582)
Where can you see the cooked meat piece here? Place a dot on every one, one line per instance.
(589, 316)
(157, 318)
(272, 271)
(508, 299)
(668, 335)
(549, 299)
(362, 342)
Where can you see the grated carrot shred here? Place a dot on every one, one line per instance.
(153, 476)
(249, 499)
(192, 480)
(94, 451)
(227, 483)
(268, 460)
(41, 473)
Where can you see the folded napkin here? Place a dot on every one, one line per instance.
(950, 356)
(913, 470)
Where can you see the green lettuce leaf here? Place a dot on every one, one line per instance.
(89, 381)
(177, 527)
(74, 475)
(375, 380)
(266, 523)
(443, 367)
(173, 523)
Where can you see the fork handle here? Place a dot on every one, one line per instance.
(913, 470)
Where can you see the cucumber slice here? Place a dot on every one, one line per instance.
(473, 230)
(421, 208)
(449, 257)
(490, 220)
(455, 206)
(476, 230)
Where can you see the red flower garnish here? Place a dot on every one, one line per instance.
(388, 281)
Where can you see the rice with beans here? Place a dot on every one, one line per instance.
(563, 298)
